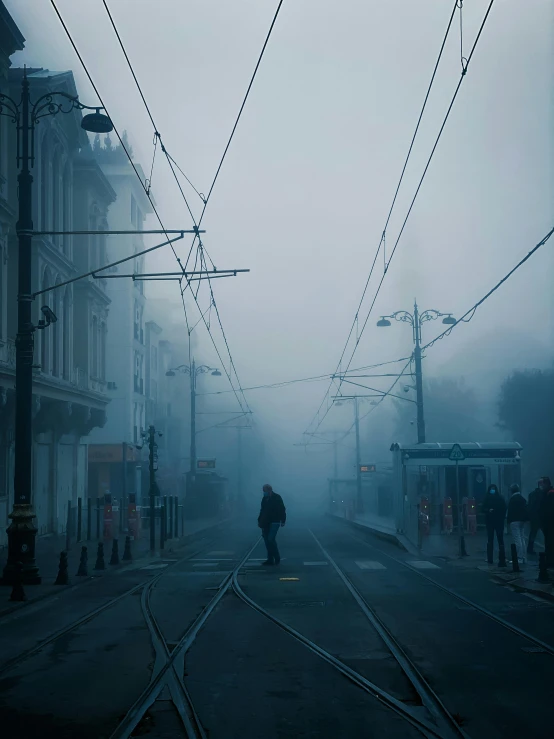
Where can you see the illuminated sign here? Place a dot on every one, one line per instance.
(206, 464)
(367, 468)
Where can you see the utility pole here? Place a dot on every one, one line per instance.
(192, 422)
(359, 500)
(419, 377)
(152, 467)
(21, 565)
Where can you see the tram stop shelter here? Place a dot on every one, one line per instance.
(426, 470)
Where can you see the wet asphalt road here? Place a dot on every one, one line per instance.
(248, 678)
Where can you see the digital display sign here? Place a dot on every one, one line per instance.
(206, 464)
(367, 468)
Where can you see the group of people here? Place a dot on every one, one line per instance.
(538, 510)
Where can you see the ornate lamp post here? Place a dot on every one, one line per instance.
(416, 321)
(26, 115)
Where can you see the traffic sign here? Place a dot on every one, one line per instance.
(456, 453)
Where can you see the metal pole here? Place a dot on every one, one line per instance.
(68, 527)
(193, 421)
(152, 489)
(22, 530)
(359, 501)
(98, 519)
(171, 508)
(460, 533)
(239, 463)
(122, 516)
(79, 518)
(89, 519)
(419, 378)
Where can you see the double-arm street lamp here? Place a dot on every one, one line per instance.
(193, 371)
(26, 115)
(416, 320)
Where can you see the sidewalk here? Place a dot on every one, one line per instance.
(48, 550)
(380, 526)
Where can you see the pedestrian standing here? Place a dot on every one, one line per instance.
(534, 505)
(547, 521)
(272, 516)
(517, 516)
(494, 508)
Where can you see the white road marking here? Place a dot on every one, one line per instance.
(316, 563)
(423, 565)
(369, 565)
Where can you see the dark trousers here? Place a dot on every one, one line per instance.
(269, 533)
(534, 530)
(498, 528)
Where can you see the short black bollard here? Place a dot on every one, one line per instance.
(515, 563)
(127, 556)
(100, 564)
(63, 577)
(543, 570)
(114, 560)
(501, 556)
(83, 563)
(18, 594)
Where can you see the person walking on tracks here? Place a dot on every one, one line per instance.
(517, 516)
(272, 516)
(494, 508)
(534, 505)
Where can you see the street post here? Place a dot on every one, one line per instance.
(457, 455)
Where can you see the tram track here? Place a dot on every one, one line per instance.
(548, 648)
(26, 654)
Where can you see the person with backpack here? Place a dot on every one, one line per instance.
(494, 508)
(517, 516)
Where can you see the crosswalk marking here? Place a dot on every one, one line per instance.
(423, 565)
(316, 563)
(369, 565)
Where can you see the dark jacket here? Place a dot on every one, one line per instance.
(517, 508)
(494, 508)
(547, 512)
(534, 504)
(272, 511)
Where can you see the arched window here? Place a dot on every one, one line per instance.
(57, 330)
(66, 337)
(94, 356)
(44, 335)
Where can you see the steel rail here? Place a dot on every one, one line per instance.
(481, 609)
(425, 727)
(429, 698)
(174, 665)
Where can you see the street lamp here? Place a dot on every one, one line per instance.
(416, 321)
(193, 371)
(26, 115)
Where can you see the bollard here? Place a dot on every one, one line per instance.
(63, 577)
(543, 570)
(114, 560)
(100, 564)
(515, 563)
(18, 594)
(127, 556)
(83, 563)
(501, 556)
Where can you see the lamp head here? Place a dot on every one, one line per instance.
(383, 322)
(97, 122)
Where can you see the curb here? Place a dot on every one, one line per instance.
(385, 535)
(525, 589)
(182, 541)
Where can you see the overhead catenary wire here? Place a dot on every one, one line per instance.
(412, 203)
(472, 310)
(127, 153)
(382, 241)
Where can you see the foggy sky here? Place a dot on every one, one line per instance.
(303, 195)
